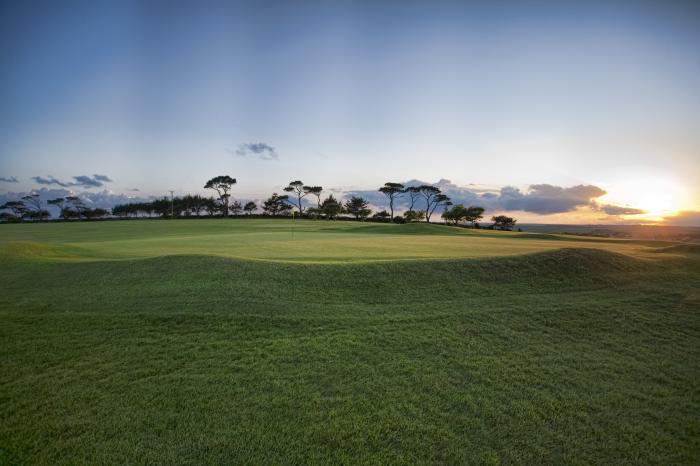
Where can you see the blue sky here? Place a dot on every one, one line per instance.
(489, 95)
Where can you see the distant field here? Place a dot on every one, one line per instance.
(270, 342)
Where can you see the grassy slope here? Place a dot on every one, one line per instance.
(568, 355)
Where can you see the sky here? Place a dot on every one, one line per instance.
(550, 111)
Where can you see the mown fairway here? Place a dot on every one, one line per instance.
(262, 342)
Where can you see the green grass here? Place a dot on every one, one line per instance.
(227, 342)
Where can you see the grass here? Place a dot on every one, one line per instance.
(227, 342)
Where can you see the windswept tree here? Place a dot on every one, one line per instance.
(299, 190)
(34, 208)
(357, 206)
(414, 194)
(17, 207)
(276, 205)
(58, 202)
(331, 208)
(32, 201)
(439, 200)
(392, 191)
(250, 207)
(222, 185)
(433, 199)
(503, 222)
(75, 206)
(315, 191)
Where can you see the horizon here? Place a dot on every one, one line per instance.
(553, 113)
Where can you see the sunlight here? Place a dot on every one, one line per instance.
(657, 196)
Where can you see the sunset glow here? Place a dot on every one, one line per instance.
(571, 113)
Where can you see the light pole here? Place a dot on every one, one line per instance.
(172, 204)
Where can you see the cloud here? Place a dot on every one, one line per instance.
(618, 210)
(85, 181)
(257, 149)
(543, 199)
(134, 189)
(49, 180)
(11, 179)
(686, 218)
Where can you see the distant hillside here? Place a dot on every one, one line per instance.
(647, 232)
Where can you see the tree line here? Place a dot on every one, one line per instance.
(30, 207)
(423, 201)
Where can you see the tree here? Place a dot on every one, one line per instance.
(222, 184)
(383, 215)
(455, 215)
(331, 208)
(95, 213)
(211, 206)
(298, 188)
(503, 222)
(74, 207)
(121, 210)
(413, 195)
(275, 205)
(17, 207)
(9, 218)
(34, 211)
(414, 215)
(428, 192)
(433, 198)
(198, 204)
(58, 202)
(474, 214)
(315, 191)
(358, 207)
(250, 207)
(190, 204)
(440, 199)
(235, 208)
(391, 190)
(70, 206)
(160, 206)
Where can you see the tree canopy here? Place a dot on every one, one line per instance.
(276, 205)
(358, 207)
(222, 185)
(392, 191)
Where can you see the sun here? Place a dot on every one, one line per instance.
(658, 197)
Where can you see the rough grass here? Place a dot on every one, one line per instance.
(566, 355)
